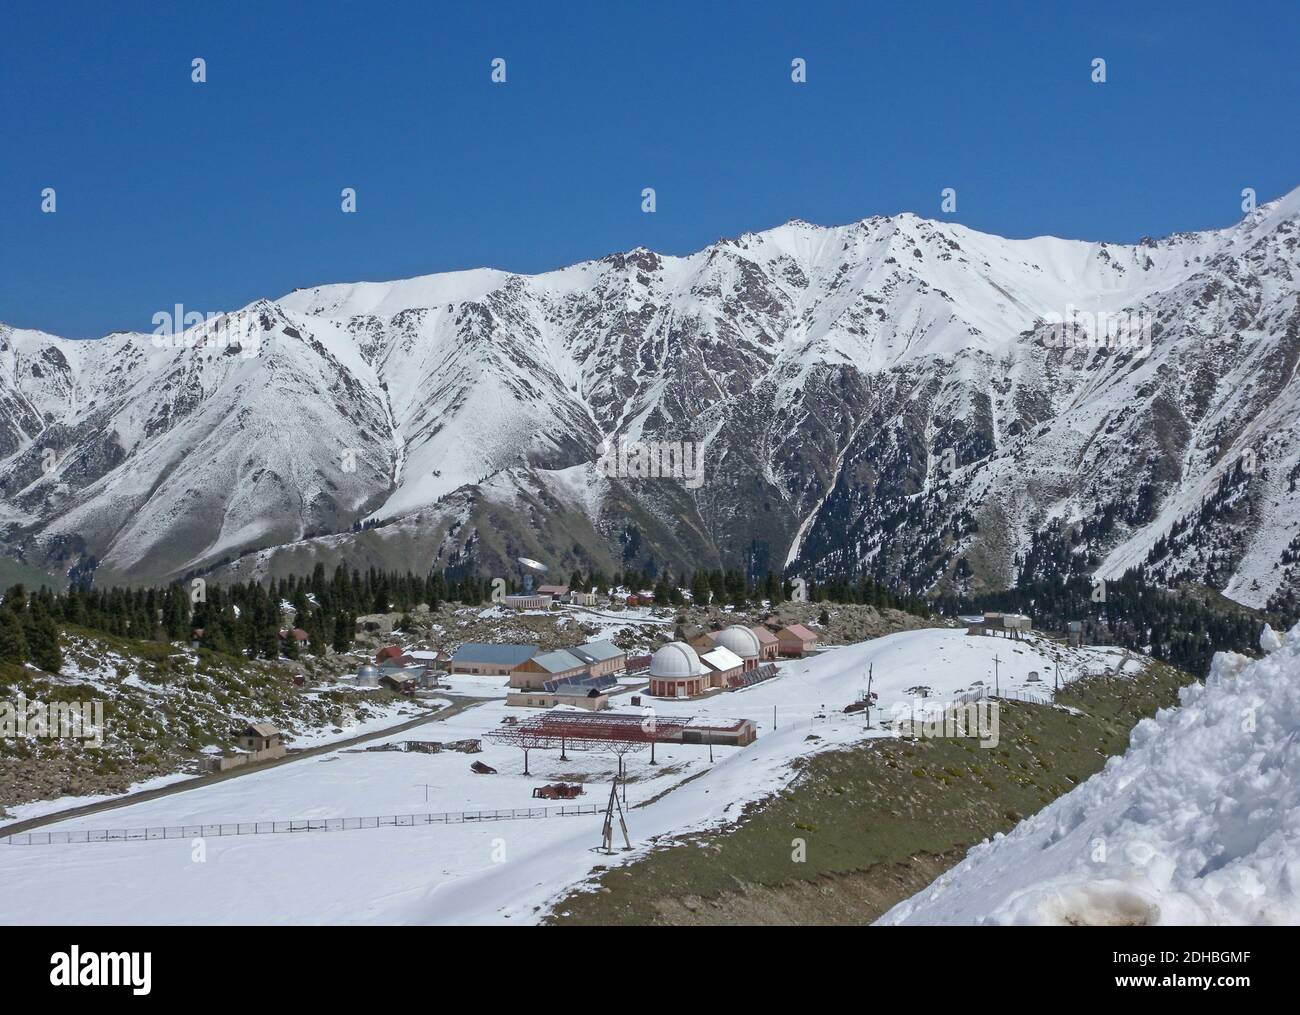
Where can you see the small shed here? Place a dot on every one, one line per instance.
(723, 732)
(400, 682)
(259, 736)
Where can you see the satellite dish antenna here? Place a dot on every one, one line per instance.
(530, 565)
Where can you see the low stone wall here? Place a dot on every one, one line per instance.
(225, 763)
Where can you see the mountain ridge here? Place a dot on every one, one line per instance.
(824, 371)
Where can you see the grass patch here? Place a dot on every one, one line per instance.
(876, 807)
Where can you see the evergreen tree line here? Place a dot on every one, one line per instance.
(1175, 627)
(29, 629)
(248, 619)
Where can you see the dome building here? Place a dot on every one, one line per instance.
(368, 675)
(743, 642)
(676, 672)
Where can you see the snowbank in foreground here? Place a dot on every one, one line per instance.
(1197, 823)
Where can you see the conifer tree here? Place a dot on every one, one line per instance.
(43, 641)
(316, 633)
(343, 631)
(269, 643)
(13, 642)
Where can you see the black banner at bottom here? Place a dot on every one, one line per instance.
(173, 963)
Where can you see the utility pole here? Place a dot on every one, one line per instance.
(996, 660)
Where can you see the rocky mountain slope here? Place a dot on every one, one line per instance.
(934, 406)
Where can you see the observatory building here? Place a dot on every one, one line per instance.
(676, 672)
(743, 642)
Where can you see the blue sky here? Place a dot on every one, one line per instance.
(211, 195)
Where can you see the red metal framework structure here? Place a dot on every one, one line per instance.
(618, 734)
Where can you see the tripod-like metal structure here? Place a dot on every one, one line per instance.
(607, 832)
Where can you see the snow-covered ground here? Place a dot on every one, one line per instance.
(494, 872)
(1197, 823)
(382, 716)
(39, 808)
(394, 713)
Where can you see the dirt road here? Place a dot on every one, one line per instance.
(458, 704)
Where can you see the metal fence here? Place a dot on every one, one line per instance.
(979, 694)
(297, 825)
(1028, 697)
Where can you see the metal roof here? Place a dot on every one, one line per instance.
(559, 661)
(576, 690)
(494, 655)
(597, 651)
(600, 683)
(722, 658)
(588, 731)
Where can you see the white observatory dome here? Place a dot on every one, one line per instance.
(740, 640)
(675, 661)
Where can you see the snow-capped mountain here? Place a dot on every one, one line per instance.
(898, 396)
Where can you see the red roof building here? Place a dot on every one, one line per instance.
(795, 640)
(769, 645)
